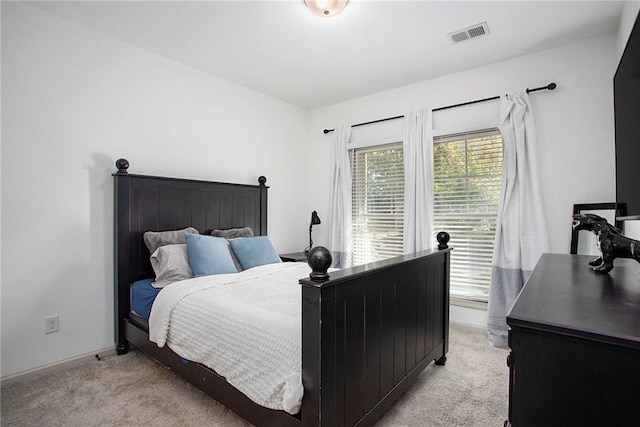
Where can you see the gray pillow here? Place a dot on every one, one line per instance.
(155, 239)
(171, 264)
(233, 233)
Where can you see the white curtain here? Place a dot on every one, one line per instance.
(340, 229)
(418, 181)
(521, 232)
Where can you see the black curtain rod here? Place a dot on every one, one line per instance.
(550, 86)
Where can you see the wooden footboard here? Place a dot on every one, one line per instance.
(368, 332)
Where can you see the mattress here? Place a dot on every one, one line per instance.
(246, 326)
(142, 297)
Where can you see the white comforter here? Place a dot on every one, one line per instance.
(246, 326)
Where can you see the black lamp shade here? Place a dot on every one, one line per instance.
(315, 219)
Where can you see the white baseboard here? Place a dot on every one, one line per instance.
(468, 325)
(41, 370)
(468, 316)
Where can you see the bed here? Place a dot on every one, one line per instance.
(367, 331)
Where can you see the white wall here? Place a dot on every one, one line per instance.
(73, 102)
(574, 124)
(627, 19)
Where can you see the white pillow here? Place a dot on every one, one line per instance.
(171, 264)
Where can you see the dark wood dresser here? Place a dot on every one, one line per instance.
(575, 345)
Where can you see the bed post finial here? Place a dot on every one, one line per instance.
(319, 259)
(262, 180)
(442, 238)
(122, 165)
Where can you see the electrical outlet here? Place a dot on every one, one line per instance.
(51, 324)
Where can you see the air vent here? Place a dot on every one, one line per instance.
(469, 33)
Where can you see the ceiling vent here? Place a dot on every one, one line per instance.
(469, 33)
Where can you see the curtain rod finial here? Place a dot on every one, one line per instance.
(552, 86)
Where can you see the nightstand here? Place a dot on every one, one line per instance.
(294, 257)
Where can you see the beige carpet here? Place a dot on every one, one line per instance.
(129, 390)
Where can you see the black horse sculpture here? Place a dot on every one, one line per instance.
(611, 242)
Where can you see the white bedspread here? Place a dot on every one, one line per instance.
(246, 326)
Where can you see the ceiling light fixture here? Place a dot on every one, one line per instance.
(326, 8)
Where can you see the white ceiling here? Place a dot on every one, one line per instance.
(280, 49)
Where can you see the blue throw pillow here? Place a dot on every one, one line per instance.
(209, 255)
(254, 251)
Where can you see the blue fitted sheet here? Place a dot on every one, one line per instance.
(142, 297)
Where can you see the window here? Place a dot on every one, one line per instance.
(467, 178)
(378, 202)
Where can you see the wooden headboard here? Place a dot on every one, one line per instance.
(151, 203)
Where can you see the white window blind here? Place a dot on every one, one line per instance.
(378, 202)
(467, 177)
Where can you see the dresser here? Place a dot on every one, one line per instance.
(575, 345)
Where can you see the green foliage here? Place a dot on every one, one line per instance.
(378, 202)
(385, 186)
(468, 174)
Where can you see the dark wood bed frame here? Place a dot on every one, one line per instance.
(368, 331)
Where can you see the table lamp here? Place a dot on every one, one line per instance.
(315, 220)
